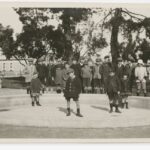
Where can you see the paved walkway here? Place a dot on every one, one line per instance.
(18, 119)
(53, 114)
(6, 91)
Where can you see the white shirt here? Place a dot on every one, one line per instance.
(140, 73)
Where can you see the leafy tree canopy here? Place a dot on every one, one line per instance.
(6, 41)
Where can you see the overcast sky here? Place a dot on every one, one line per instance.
(9, 17)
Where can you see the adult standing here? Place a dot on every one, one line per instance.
(58, 76)
(148, 72)
(130, 71)
(148, 69)
(80, 66)
(87, 77)
(141, 75)
(50, 75)
(42, 72)
(29, 70)
(106, 67)
(120, 69)
(97, 77)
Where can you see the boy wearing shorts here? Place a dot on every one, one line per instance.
(72, 91)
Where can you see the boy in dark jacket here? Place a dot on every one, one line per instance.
(113, 91)
(72, 91)
(36, 87)
(124, 91)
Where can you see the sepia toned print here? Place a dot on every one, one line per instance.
(75, 72)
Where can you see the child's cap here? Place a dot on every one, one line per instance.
(140, 61)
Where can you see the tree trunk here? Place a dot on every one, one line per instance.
(114, 36)
(114, 45)
(68, 53)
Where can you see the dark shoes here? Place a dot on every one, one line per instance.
(32, 103)
(124, 105)
(78, 113)
(38, 104)
(127, 105)
(68, 112)
(111, 109)
(117, 111)
(145, 94)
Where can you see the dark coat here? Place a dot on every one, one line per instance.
(105, 69)
(120, 72)
(36, 85)
(124, 86)
(42, 72)
(73, 88)
(50, 69)
(113, 84)
(129, 70)
(58, 74)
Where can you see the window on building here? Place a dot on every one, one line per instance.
(10, 66)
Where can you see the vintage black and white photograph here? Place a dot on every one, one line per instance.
(75, 72)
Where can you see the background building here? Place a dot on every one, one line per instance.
(12, 67)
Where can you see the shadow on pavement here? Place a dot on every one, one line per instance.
(1, 110)
(64, 110)
(101, 108)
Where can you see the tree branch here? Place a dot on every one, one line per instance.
(135, 13)
(19, 61)
(110, 13)
(129, 14)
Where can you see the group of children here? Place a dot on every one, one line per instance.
(71, 91)
(116, 89)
